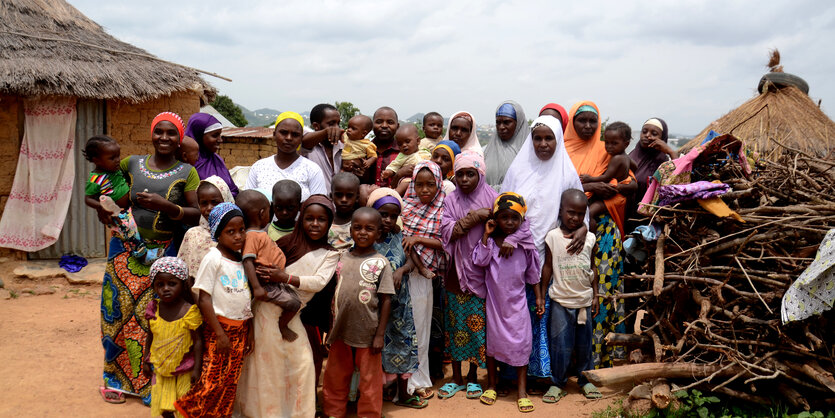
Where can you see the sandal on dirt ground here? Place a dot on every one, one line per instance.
(425, 393)
(525, 405)
(449, 390)
(111, 396)
(474, 391)
(414, 402)
(591, 392)
(553, 395)
(488, 397)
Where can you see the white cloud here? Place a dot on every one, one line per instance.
(688, 62)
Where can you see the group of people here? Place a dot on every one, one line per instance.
(387, 255)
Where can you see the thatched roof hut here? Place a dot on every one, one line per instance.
(785, 115)
(51, 51)
(48, 47)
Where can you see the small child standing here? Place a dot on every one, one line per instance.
(361, 311)
(617, 137)
(106, 188)
(433, 129)
(225, 304)
(408, 140)
(198, 239)
(287, 200)
(359, 153)
(509, 331)
(174, 346)
(260, 250)
(573, 291)
(345, 192)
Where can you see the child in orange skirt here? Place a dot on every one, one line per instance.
(225, 304)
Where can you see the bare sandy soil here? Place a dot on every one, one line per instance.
(52, 358)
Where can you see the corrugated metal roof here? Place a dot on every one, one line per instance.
(247, 132)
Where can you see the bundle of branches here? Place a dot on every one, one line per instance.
(708, 315)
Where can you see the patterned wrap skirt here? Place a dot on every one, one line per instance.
(464, 331)
(609, 262)
(214, 394)
(126, 291)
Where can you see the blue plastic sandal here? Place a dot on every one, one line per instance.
(474, 391)
(451, 389)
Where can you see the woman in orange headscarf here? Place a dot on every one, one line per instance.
(588, 153)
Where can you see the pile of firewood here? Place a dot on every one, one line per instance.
(708, 315)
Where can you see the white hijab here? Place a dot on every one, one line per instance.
(472, 143)
(498, 154)
(542, 183)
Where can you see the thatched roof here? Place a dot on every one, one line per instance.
(48, 47)
(785, 115)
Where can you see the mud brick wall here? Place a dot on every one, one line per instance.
(130, 123)
(11, 133)
(245, 151)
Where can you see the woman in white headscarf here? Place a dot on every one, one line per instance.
(541, 172)
(462, 130)
(511, 131)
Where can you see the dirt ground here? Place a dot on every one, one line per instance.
(52, 358)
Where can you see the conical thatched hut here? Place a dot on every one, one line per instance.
(51, 51)
(785, 115)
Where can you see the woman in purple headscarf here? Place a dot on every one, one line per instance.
(205, 129)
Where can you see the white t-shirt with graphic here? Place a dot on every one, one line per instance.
(225, 281)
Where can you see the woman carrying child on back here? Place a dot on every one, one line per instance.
(174, 345)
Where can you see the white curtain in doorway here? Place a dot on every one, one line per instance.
(37, 206)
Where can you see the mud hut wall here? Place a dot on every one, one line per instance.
(245, 151)
(11, 132)
(130, 123)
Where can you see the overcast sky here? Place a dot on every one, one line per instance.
(688, 62)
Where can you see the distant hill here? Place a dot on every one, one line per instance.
(266, 116)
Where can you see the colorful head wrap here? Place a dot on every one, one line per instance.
(506, 110)
(383, 195)
(169, 117)
(586, 108)
(170, 265)
(512, 201)
(560, 110)
(470, 159)
(452, 148)
(289, 115)
(220, 216)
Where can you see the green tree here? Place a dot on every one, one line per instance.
(347, 110)
(226, 107)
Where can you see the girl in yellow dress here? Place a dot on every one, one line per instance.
(174, 346)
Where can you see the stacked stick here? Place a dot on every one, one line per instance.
(709, 314)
